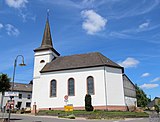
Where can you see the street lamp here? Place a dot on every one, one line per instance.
(15, 64)
(12, 96)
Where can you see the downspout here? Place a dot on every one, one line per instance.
(105, 87)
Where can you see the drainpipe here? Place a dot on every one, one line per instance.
(105, 87)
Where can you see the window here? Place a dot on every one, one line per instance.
(28, 104)
(20, 96)
(53, 88)
(71, 87)
(90, 85)
(42, 61)
(29, 96)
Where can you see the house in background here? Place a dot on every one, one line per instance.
(155, 101)
(129, 93)
(23, 100)
(56, 76)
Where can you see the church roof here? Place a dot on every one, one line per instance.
(78, 61)
(47, 40)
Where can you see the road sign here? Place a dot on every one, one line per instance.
(65, 100)
(8, 94)
(68, 108)
(66, 97)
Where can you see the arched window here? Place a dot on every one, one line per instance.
(42, 61)
(53, 88)
(90, 85)
(71, 87)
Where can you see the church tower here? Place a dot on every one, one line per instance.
(45, 53)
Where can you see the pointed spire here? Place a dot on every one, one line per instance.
(47, 39)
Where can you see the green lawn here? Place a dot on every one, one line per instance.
(97, 114)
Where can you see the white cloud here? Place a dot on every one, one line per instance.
(156, 79)
(16, 3)
(26, 16)
(11, 30)
(144, 25)
(93, 22)
(1, 25)
(129, 62)
(149, 86)
(145, 74)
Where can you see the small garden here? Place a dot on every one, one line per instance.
(90, 113)
(96, 114)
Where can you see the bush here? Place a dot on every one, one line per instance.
(156, 108)
(88, 103)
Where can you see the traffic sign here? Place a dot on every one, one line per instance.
(66, 97)
(8, 94)
(66, 101)
(68, 108)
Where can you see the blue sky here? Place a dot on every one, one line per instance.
(126, 31)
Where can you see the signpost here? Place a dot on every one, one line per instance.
(66, 99)
(11, 94)
(67, 107)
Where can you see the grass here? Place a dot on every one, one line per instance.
(97, 114)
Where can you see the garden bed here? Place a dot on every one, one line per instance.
(97, 114)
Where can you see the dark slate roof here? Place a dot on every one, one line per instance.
(78, 61)
(22, 87)
(47, 40)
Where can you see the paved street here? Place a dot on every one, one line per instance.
(31, 118)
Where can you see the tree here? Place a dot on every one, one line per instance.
(4, 85)
(88, 103)
(142, 99)
(156, 108)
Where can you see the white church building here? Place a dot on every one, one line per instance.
(77, 75)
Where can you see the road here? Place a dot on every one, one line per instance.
(31, 118)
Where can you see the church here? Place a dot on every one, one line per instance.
(75, 76)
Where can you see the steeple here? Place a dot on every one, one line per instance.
(47, 38)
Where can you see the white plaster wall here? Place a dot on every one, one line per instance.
(47, 56)
(130, 101)
(41, 88)
(114, 85)
(16, 99)
(114, 88)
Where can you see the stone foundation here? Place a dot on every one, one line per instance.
(108, 108)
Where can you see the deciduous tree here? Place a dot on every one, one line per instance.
(142, 99)
(4, 85)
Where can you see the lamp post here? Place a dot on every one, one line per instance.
(12, 88)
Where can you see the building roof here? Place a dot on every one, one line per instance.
(153, 102)
(47, 40)
(78, 61)
(22, 87)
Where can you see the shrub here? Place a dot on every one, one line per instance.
(88, 103)
(156, 108)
